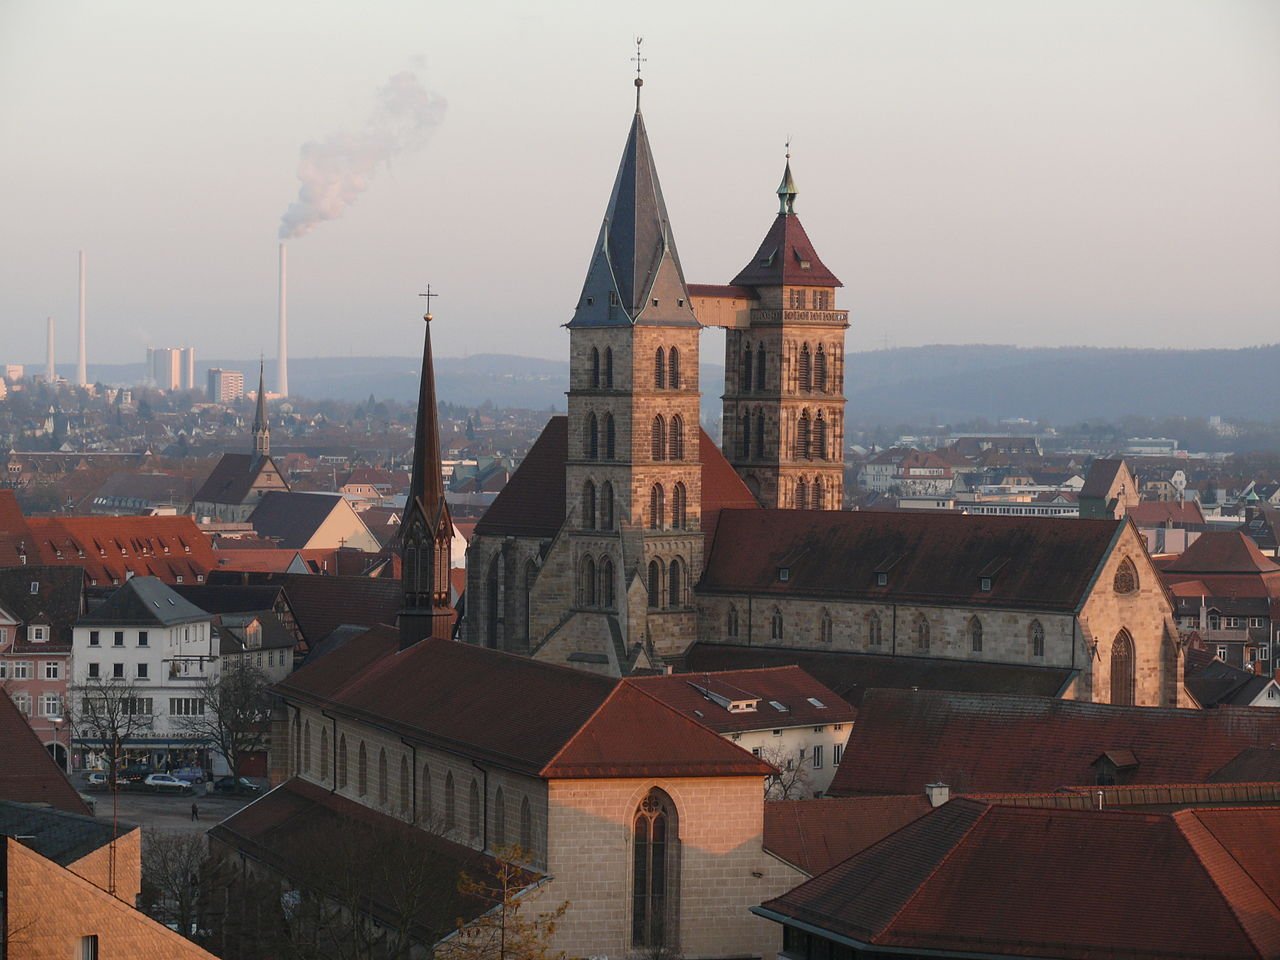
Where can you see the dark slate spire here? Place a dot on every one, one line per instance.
(261, 425)
(635, 274)
(427, 485)
(787, 191)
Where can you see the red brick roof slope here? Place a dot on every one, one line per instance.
(788, 686)
(815, 835)
(989, 743)
(786, 255)
(1250, 765)
(28, 774)
(321, 604)
(722, 488)
(1028, 882)
(1035, 562)
(1159, 512)
(851, 675)
(721, 290)
(15, 536)
(532, 504)
(1246, 841)
(112, 548)
(1097, 482)
(1216, 552)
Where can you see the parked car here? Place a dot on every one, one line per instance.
(134, 773)
(97, 780)
(236, 785)
(166, 783)
(191, 774)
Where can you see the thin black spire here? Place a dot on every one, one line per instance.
(261, 425)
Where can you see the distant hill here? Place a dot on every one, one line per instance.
(937, 383)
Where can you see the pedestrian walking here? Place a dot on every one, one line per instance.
(195, 811)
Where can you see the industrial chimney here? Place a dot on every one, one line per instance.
(282, 348)
(82, 375)
(49, 374)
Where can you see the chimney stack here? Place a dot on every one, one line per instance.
(82, 374)
(938, 793)
(49, 371)
(282, 348)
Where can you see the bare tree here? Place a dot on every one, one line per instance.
(512, 929)
(236, 708)
(172, 868)
(109, 710)
(790, 779)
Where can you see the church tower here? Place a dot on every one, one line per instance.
(633, 476)
(261, 425)
(426, 532)
(783, 424)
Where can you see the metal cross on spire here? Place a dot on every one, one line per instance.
(638, 61)
(427, 316)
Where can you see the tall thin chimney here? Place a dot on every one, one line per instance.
(282, 348)
(82, 374)
(49, 372)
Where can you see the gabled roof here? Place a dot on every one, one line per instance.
(815, 835)
(1222, 552)
(232, 478)
(145, 601)
(58, 835)
(1152, 513)
(294, 518)
(1250, 765)
(1220, 684)
(990, 743)
(321, 604)
(114, 548)
(58, 600)
(1043, 563)
(635, 260)
(1102, 474)
(997, 880)
(28, 774)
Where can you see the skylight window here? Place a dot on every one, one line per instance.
(814, 701)
(35, 586)
(780, 707)
(882, 579)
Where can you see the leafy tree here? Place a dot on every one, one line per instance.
(236, 712)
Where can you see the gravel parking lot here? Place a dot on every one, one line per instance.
(165, 811)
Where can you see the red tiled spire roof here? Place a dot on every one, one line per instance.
(786, 256)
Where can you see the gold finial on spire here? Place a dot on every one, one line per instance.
(639, 80)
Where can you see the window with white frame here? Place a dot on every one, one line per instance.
(142, 638)
(22, 669)
(94, 669)
(95, 638)
(4, 669)
(38, 633)
(186, 707)
(50, 705)
(117, 671)
(1222, 651)
(817, 757)
(52, 670)
(22, 700)
(142, 671)
(118, 639)
(4, 636)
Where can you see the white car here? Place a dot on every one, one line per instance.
(164, 783)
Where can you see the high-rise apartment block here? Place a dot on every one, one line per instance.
(172, 368)
(225, 386)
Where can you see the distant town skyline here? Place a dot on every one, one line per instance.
(1039, 174)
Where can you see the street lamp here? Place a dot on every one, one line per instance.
(66, 757)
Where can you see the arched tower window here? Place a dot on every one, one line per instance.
(802, 436)
(655, 584)
(658, 434)
(608, 368)
(675, 444)
(819, 449)
(591, 438)
(342, 762)
(656, 874)
(760, 435)
(606, 506)
(362, 771)
(805, 369)
(1036, 634)
(874, 635)
(675, 586)
(747, 362)
(820, 370)
(473, 811)
(324, 753)
(589, 505)
(383, 789)
(450, 805)
(673, 368)
(610, 438)
(659, 369)
(731, 622)
(775, 624)
(657, 507)
(1123, 675)
(826, 627)
(499, 819)
(975, 635)
(679, 506)
(405, 786)
(760, 367)
(1126, 580)
(606, 583)
(744, 437)
(922, 632)
(802, 494)
(595, 368)
(588, 582)
(817, 498)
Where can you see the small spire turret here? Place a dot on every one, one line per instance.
(787, 189)
(261, 425)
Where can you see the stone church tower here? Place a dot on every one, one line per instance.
(783, 424)
(633, 480)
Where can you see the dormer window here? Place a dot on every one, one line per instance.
(784, 574)
(35, 586)
(882, 579)
(37, 633)
(590, 301)
(984, 584)
(613, 298)
(655, 301)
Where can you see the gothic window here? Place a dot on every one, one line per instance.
(744, 438)
(405, 786)
(382, 777)
(806, 369)
(362, 771)
(673, 368)
(425, 815)
(493, 587)
(450, 810)
(775, 625)
(342, 762)
(306, 747)
(297, 742)
(656, 880)
(760, 367)
(526, 827)
(675, 588)
(1122, 670)
(473, 813)
(826, 628)
(679, 506)
(657, 507)
(659, 369)
(591, 438)
(411, 566)
(760, 434)
(610, 438)
(595, 368)
(606, 583)
(975, 635)
(658, 434)
(1036, 632)
(608, 368)
(802, 436)
(530, 575)
(588, 582)
(675, 443)
(655, 584)
(324, 753)
(874, 635)
(818, 496)
(606, 506)
(747, 361)
(731, 624)
(819, 448)
(588, 506)
(499, 820)
(802, 494)
(922, 632)
(1126, 577)
(820, 370)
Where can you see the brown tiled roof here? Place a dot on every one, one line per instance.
(1016, 881)
(1250, 765)
(322, 604)
(1222, 552)
(722, 487)
(1152, 513)
(28, 774)
(58, 600)
(989, 743)
(1034, 563)
(232, 478)
(851, 675)
(15, 536)
(113, 548)
(532, 504)
(1097, 482)
(789, 686)
(786, 255)
(815, 835)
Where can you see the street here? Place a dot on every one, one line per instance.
(164, 811)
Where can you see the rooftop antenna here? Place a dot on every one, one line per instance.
(639, 80)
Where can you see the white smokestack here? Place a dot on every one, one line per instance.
(49, 374)
(82, 376)
(282, 348)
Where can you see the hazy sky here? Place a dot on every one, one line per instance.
(1077, 172)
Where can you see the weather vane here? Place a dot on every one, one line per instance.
(428, 295)
(638, 61)
(788, 146)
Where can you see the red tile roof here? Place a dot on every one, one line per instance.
(721, 290)
(112, 548)
(321, 604)
(985, 742)
(28, 774)
(1102, 474)
(15, 536)
(1027, 882)
(1156, 513)
(1216, 552)
(786, 255)
(815, 835)
(1033, 563)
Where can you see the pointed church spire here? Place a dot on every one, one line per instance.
(427, 485)
(787, 189)
(261, 425)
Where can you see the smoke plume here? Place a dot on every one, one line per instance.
(335, 171)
